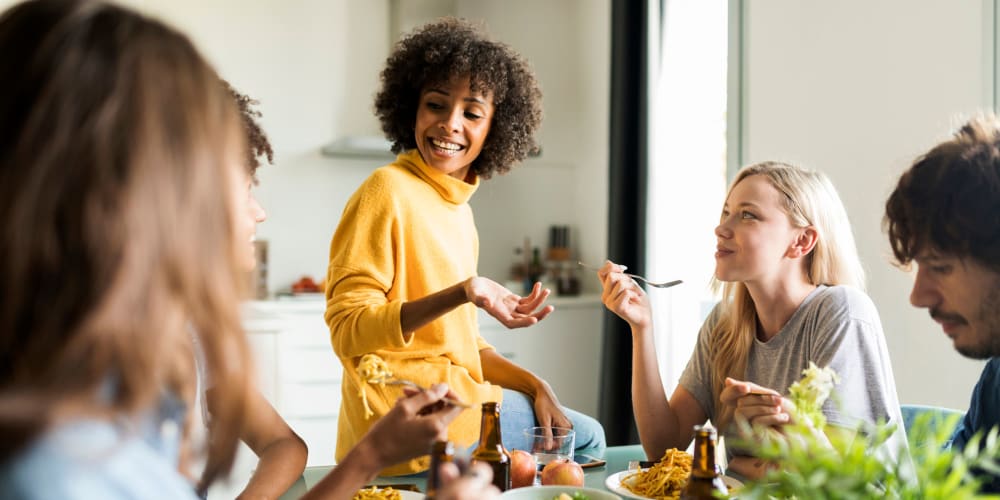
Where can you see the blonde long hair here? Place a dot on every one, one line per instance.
(809, 199)
(118, 148)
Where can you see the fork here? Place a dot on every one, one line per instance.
(654, 284)
(408, 383)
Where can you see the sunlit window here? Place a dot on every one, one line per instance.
(687, 172)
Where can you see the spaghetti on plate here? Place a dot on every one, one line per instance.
(374, 493)
(664, 480)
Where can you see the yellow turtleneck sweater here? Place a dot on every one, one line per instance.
(406, 233)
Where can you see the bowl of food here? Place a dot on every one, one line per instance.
(558, 493)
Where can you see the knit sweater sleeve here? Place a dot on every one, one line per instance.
(361, 316)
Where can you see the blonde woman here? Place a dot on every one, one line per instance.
(792, 292)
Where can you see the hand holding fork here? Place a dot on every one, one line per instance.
(409, 383)
(622, 295)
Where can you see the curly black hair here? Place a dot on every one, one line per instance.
(452, 48)
(949, 200)
(258, 146)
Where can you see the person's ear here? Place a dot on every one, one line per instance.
(804, 242)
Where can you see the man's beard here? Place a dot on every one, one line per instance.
(988, 328)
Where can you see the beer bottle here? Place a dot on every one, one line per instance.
(490, 450)
(441, 452)
(705, 480)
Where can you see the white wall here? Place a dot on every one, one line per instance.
(314, 64)
(857, 89)
(688, 125)
(568, 183)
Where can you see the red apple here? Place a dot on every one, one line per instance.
(563, 472)
(522, 469)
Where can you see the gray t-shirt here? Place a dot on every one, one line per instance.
(835, 326)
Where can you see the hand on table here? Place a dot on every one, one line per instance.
(512, 310)
(475, 484)
(622, 296)
(410, 428)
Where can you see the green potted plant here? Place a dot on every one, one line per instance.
(813, 464)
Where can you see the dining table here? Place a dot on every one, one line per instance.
(616, 459)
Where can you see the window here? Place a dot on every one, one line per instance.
(687, 171)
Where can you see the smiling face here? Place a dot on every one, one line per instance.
(452, 124)
(755, 236)
(963, 296)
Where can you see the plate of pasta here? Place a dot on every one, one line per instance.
(664, 480)
(386, 493)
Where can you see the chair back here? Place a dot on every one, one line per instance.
(938, 415)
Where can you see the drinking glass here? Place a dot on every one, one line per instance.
(557, 443)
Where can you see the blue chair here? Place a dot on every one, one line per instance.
(938, 415)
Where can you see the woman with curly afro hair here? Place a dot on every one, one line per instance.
(402, 281)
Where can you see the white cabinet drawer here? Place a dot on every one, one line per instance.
(306, 330)
(515, 345)
(310, 364)
(265, 352)
(564, 349)
(310, 400)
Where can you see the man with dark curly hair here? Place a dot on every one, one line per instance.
(402, 280)
(944, 215)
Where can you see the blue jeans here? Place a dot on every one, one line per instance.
(517, 413)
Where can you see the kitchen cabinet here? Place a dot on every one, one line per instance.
(304, 372)
(299, 375)
(564, 349)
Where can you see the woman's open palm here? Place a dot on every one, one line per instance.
(510, 309)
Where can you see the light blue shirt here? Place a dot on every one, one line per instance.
(90, 459)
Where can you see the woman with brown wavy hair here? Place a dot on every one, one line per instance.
(120, 186)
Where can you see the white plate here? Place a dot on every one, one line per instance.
(614, 483)
(549, 492)
(406, 494)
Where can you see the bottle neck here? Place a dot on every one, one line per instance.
(489, 430)
(704, 456)
(441, 452)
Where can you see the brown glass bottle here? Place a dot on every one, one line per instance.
(490, 450)
(441, 452)
(705, 480)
